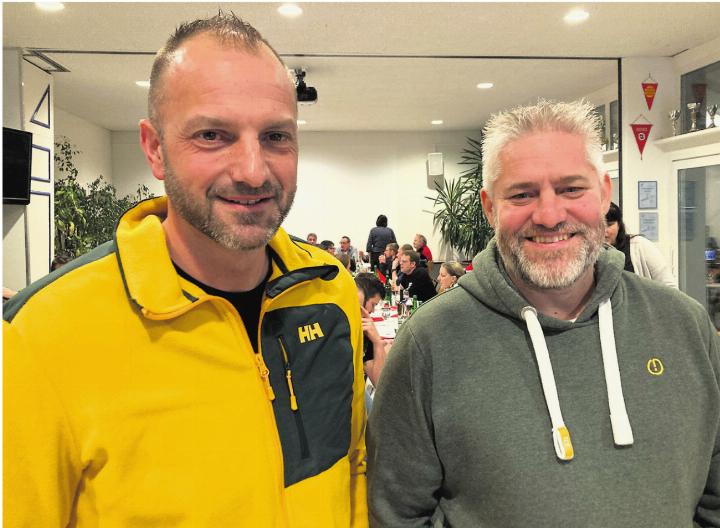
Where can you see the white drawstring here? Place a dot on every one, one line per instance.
(561, 435)
(622, 432)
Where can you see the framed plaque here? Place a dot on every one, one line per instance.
(649, 226)
(647, 195)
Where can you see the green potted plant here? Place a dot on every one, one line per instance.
(85, 216)
(458, 211)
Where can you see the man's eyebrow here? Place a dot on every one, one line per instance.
(565, 180)
(206, 122)
(218, 122)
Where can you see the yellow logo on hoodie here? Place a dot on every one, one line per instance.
(655, 367)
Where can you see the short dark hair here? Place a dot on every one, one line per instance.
(407, 247)
(370, 285)
(326, 244)
(229, 30)
(381, 221)
(392, 246)
(311, 234)
(59, 262)
(345, 236)
(414, 256)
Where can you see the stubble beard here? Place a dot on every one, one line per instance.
(552, 269)
(228, 234)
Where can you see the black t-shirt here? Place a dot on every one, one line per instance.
(247, 303)
(420, 284)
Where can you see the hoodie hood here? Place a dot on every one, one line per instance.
(491, 285)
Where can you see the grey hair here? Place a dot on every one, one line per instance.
(229, 30)
(576, 117)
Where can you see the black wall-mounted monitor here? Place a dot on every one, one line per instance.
(17, 166)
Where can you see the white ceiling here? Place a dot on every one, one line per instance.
(394, 73)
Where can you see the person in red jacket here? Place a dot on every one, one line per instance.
(426, 258)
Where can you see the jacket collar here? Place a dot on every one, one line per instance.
(152, 283)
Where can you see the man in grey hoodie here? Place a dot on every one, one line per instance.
(551, 388)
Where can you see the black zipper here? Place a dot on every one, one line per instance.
(294, 407)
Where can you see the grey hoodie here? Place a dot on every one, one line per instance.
(460, 423)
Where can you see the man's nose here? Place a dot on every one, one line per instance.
(248, 162)
(549, 211)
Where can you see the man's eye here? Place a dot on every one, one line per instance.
(572, 190)
(209, 135)
(279, 137)
(520, 196)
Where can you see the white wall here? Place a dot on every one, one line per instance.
(93, 142)
(345, 180)
(14, 265)
(130, 168)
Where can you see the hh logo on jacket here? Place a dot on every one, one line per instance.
(309, 332)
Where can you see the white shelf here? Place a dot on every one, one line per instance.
(610, 155)
(700, 138)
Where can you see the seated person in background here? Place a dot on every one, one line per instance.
(328, 245)
(396, 272)
(342, 257)
(420, 244)
(370, 293)
(312, 239)
(449, 274)
(641, 256)
(347, 249)
(386, 260)
(415, 280)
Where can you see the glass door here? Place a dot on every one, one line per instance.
(699, 236)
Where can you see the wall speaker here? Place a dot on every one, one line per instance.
(435, 165)
(435, 170)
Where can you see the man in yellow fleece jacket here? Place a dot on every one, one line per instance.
(202, 369)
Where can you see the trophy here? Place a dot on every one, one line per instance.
(603, 137)
(693, 107)
(711, 113)
(674, 115)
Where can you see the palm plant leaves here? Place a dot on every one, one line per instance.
(458, 211)
(85, 217)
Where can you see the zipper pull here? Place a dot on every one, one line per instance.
(265, 376)
(293, 399)
(288, 375)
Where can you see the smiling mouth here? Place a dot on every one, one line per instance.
(244, 202)
(547, 239)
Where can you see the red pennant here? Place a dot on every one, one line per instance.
(641, 132)
(649, 89)
(380, 275)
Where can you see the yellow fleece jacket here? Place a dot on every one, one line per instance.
(134, 399)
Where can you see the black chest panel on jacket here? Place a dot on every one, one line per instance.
(313, 344)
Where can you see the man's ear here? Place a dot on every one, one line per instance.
(152, 147)
(605, 192)
(487, 205)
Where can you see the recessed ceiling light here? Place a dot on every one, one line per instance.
(143, 84)
(575, 16)
(290, 10)
(301, 122)
(50, 6)
(436, 122)
(485, 86)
